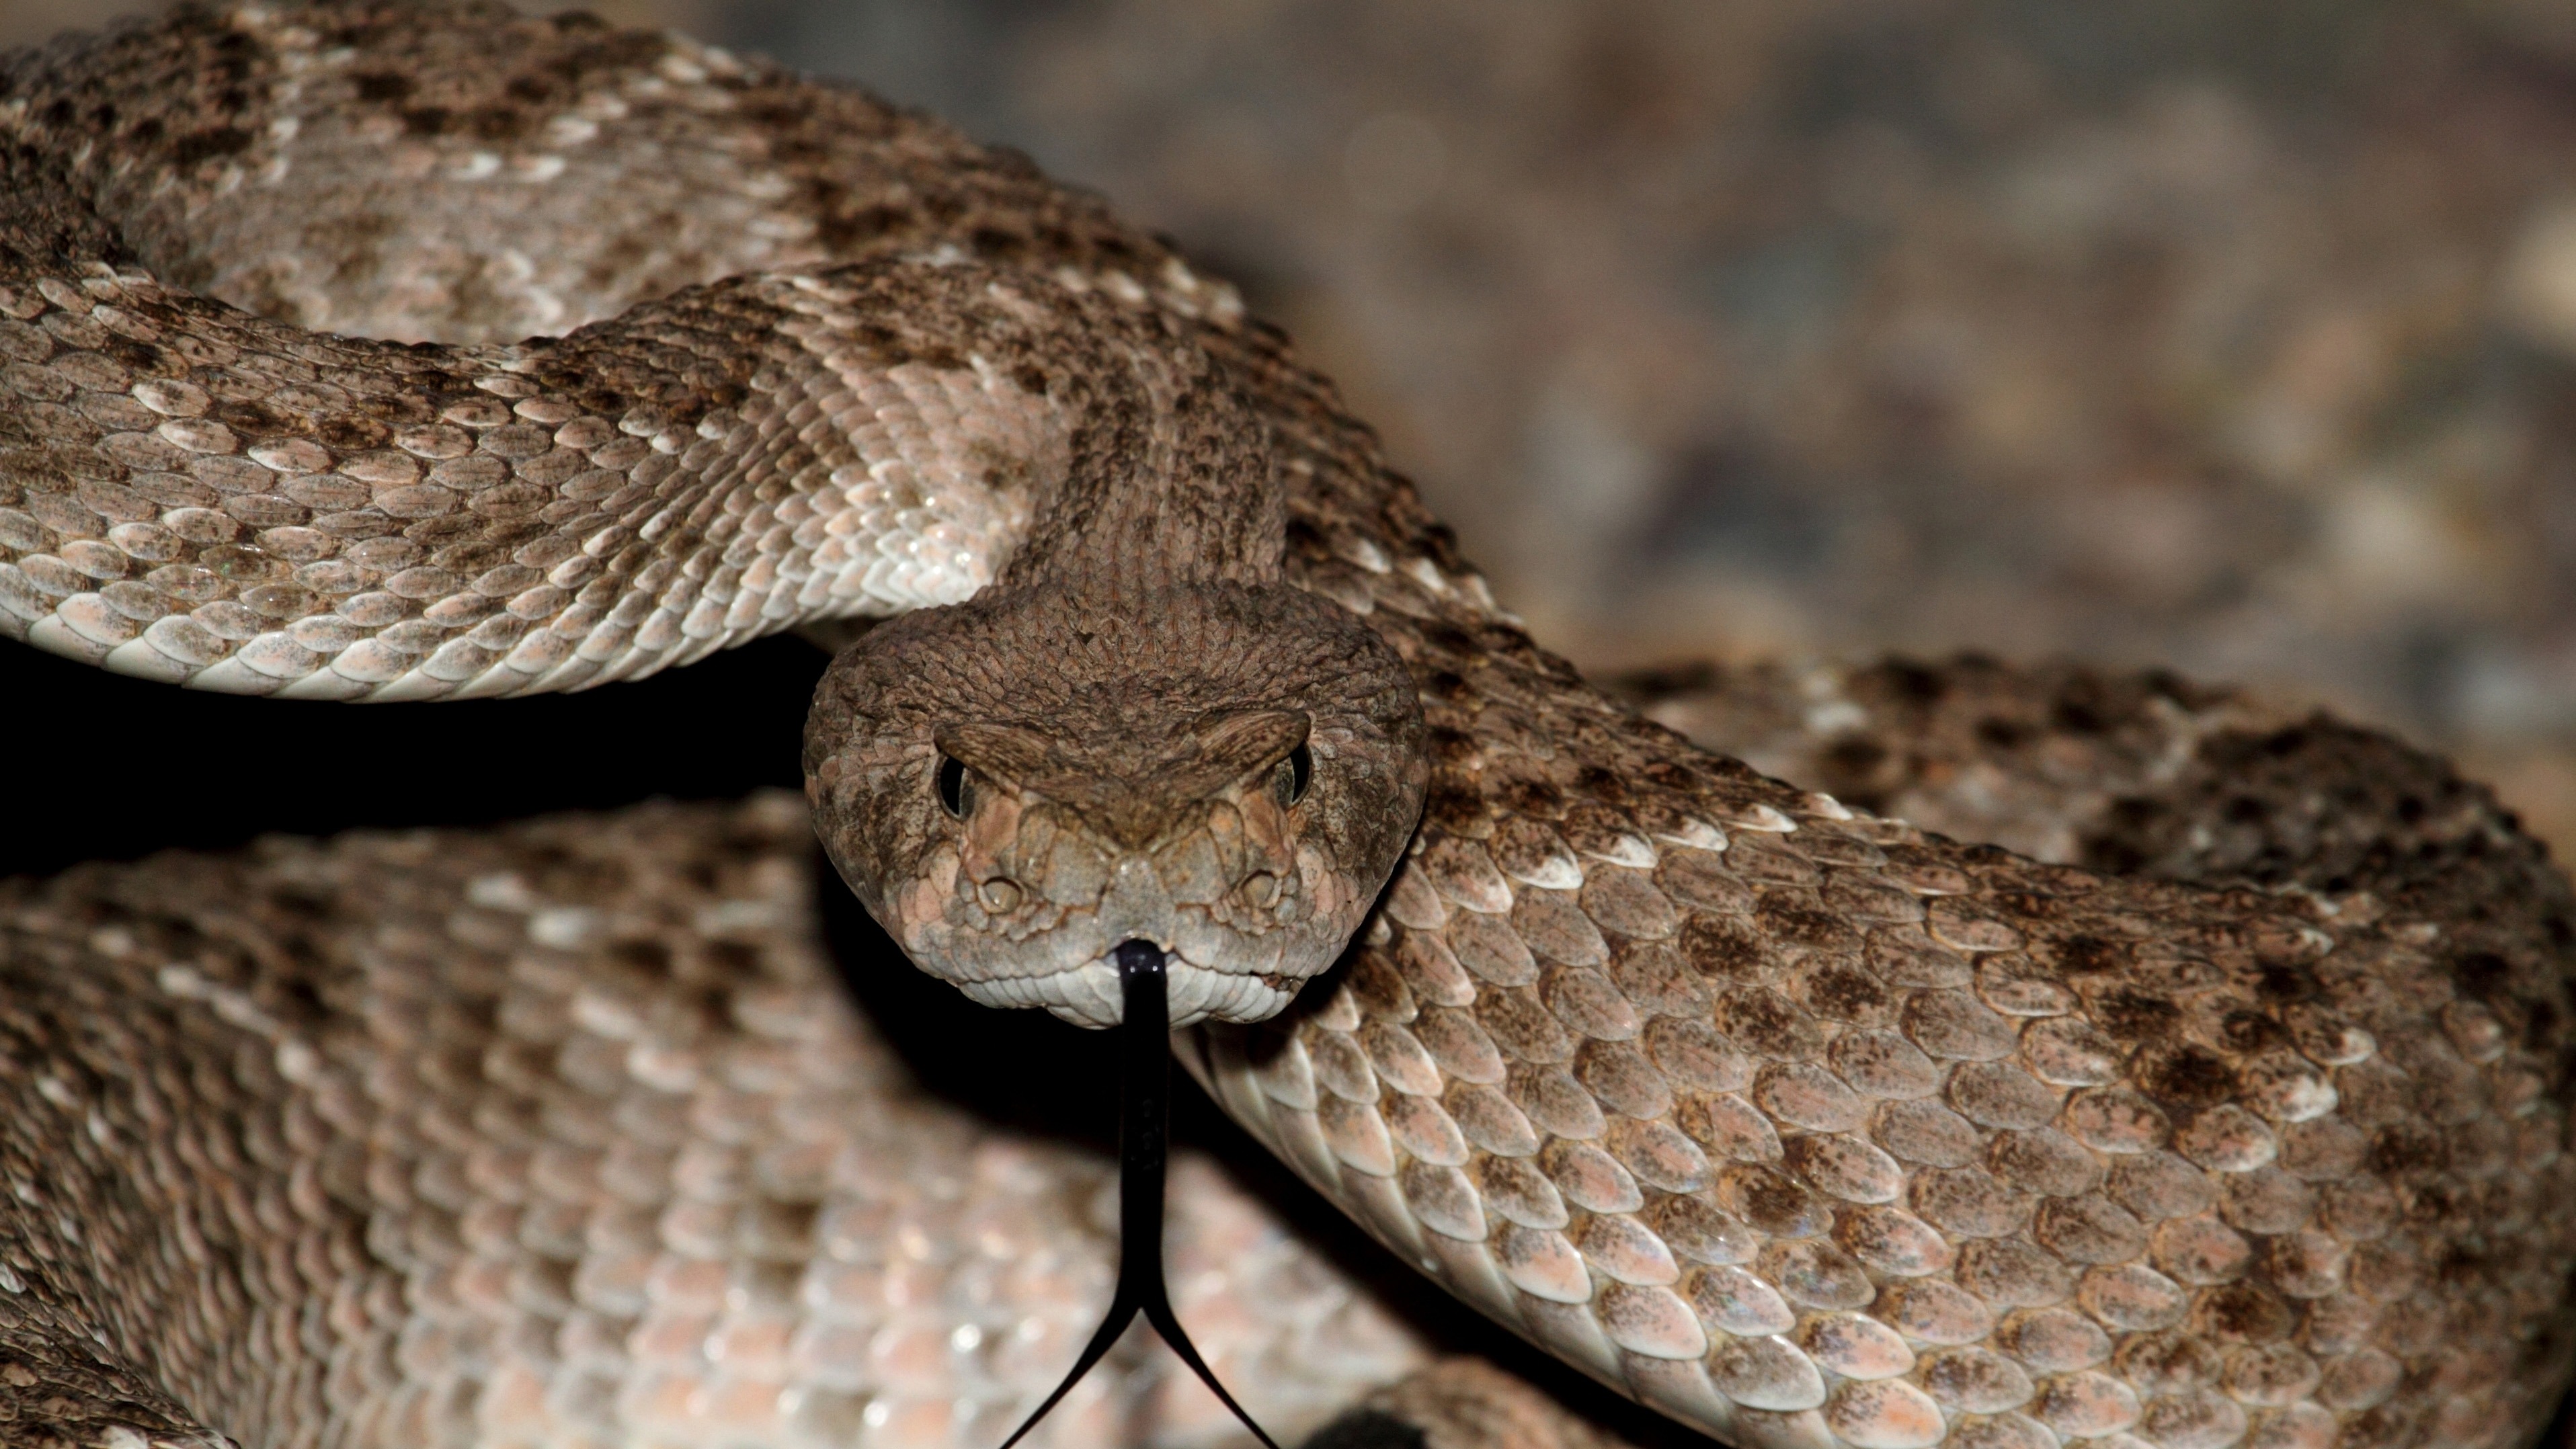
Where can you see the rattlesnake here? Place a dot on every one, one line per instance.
(551, 355)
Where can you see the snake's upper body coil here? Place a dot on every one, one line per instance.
(1800, 1125)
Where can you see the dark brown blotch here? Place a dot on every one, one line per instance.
(2479, 975)
(1840, 992)
(2407, 1150)
(1453, 807)
(2245, 1313)
(2186, 1076)
(1601, 784)
(209, 144)
(2248, 1032)
(1723, 948)
(2135, 1016)
(383, 86)
(2284, 982)
(2091, 956)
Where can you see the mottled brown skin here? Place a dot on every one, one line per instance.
(2030, 757)
(1800, 1125)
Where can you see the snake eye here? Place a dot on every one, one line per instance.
(1295, 773)
(956, 792)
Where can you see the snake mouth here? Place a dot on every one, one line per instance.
(1090, 994)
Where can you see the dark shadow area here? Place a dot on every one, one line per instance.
(105, 767)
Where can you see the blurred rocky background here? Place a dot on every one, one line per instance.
(2236, 335)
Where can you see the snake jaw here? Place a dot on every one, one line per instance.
(1089, 996)
(1226, 964)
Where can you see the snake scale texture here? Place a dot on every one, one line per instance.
(393, 354)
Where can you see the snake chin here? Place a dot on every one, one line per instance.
(1089, 995)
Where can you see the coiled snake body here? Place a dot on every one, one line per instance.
(2242, 1124)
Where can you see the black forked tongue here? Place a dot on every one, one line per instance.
(1144, 1134)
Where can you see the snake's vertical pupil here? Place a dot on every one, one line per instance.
(1294, 774)
(956, 793)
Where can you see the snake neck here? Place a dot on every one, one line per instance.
(1170, 480)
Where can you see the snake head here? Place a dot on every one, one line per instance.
(1016, 785)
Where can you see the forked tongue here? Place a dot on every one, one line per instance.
(1144, 1133)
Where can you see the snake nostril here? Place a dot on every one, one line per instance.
(1260, 890)
(1001, 893)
